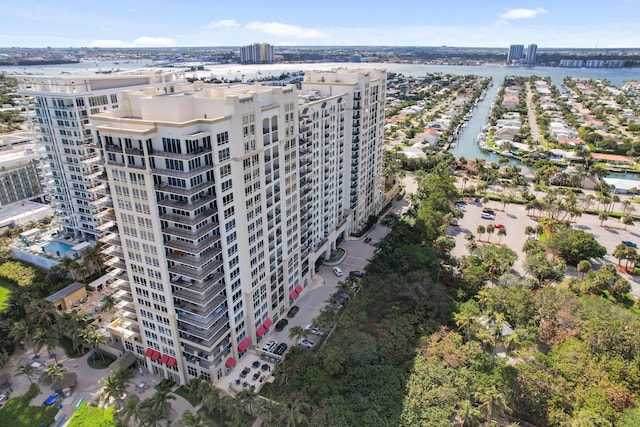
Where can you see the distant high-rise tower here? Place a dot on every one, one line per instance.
(516, 52)
(257, 53)
(532, 52)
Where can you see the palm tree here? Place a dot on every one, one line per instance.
(234, 408)
(162, 396)
(39, 340)
(501, 233)
(20, 332)
(602, 216)
(492, 403)
(93, 257)
(40, 313)
(189, 419)
(266, 410)
(292, 414)
(26, 370)
(54, 372)
(115, 386)
(467, 415)
(132, 410)
(620, 252)
(490, 230)
(109, 303)
(481, 230)
(93, 340)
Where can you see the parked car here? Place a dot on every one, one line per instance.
(3, 398)
(367, 239)
(270, 345)
(51, 400)
(337, 271)
(343, 297)
(461, 202)
(356, 273)
(306, 343)
(293, 311)
(498, 226)
(489, 211)
(312, 329)
(485, 215)
(461, 208)
(282, 323)
(280, 349)
(630, 244)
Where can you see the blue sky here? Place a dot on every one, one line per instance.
(471, 23)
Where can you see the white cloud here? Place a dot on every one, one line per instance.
(285, 30)
(139, 42)
(523, 13)
(223, 23)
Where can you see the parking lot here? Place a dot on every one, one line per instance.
(515, 220)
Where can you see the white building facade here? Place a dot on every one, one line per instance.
(221, 198)
(62, 108)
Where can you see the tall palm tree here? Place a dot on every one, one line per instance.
(481, 230)
(189, 419)
(131, 411)
(40, 313)
(467, 415)
(292, 413)
(492, 403)
(501, 233)
(20, 332)
(266, 410)
(160, 401)
(490, 229)
(115, 386)
(54, 372)
(93, 340)
(109, 304)
(26, 370)
(39, 340)
(298, 332)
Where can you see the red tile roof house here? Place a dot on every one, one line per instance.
(572, 142)
(613, 159)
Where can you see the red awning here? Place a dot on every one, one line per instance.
(267, 323)
(164, 359)
(244, 344)
(149, 352)
(171, 362)
(231, 362)
(155, 355)
(260, 331)
(298, 289)
(293, 295)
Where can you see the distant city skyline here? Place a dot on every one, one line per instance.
(465, 23)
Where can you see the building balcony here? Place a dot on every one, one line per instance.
(203, 286)
(180, 156)
(134, 151)
(198, 298)
(184, 191)
(193, 247)
(181, 174)
(204, 311)
(195, 336)
(189, 220)
(194, 261)
(192, 235)
(195, 274)
(113, 148)
(189, 206)
(201, 326)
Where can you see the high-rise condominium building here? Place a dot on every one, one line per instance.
(257, 53)
(62, 109)
(222, 198)
(516, 53)
(532, 52)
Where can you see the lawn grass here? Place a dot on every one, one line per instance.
(4, 297)
(17, 412)
(92, 416)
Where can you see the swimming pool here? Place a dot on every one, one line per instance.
(56, 248)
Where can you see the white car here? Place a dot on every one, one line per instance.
(337, 271)
(270, 345)
(306, 343)
(313, 330)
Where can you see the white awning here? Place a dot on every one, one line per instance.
(81, 246)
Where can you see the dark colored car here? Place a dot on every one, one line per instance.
(280, 349)
(367, 239)
(356, 273)
(51, 400)
(293, 311)
(282, 323)
(630, 244)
